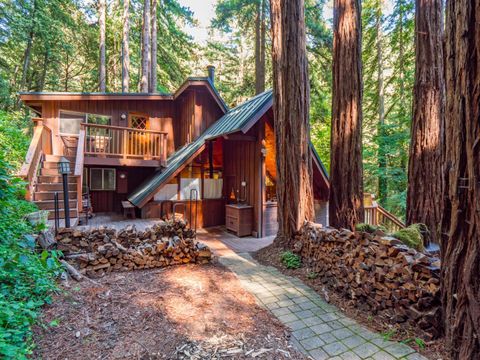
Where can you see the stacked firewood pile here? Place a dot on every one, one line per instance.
(98, 251)
(378, 273)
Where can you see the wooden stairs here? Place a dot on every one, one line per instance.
(49, 182)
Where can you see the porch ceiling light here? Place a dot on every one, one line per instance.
(63, 166)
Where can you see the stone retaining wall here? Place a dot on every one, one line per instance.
(378, 273)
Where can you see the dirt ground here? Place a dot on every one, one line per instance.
(270, 255)
(182, 312)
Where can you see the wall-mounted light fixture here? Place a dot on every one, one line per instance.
(264, 148)
(123, 116)
(123, 176)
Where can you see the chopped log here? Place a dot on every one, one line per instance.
(72, 271)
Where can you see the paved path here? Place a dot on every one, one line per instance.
(319, 329)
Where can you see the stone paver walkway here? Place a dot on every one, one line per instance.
(319, 329)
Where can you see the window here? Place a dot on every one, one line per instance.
(98, 119)
(102, 179)
(70, 122)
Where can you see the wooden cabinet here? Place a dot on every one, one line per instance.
(239, 219)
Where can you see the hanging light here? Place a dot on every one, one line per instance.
(63, 166)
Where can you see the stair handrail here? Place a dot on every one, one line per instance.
(375, 215)
(78, 171)
(40, 145)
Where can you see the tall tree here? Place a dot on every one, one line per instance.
(425, 160)
(260, 29)
(102, 10)
(460, 245)
(239, 13)
(146, 57)
(153, 63)
(346, 190)
(291, 110)
(126, 47)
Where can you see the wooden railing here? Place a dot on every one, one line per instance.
(116, 141)
(41, 144)
(377, 215)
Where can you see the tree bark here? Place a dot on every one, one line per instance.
(153, 70)
(460, 245)
(102, 7)
(260, 29)
(382, 160)
(146, 57)
(424, 167)
(291, 111)
(346, 183)
(126, 47)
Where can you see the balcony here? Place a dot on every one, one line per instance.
(115, 145)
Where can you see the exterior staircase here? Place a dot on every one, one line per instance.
(50, 182)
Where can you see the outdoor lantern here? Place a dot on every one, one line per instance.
(64, 170)
(63, 166)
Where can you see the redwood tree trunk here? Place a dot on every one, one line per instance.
(460, 246)
(101, 22)
(126, 47)
(144, 80)
(427, 132)
(291, 111)
(346, 183)
(153, 63)
(260, 48)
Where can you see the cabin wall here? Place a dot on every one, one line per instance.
(196, 112)
(242, 162)
(110, 201)
(161, 115)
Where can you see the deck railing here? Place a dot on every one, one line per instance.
(122, 142)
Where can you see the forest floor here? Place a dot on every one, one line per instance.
(181, 312)
(271, 256)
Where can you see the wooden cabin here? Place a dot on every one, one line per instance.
(183, 153)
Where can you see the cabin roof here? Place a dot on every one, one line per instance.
(240, 118)
(191, 81)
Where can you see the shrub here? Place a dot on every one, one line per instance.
(27, 278)
(362, 227)
(290, 260)
(412, 236)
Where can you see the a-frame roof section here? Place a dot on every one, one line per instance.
(240, 118)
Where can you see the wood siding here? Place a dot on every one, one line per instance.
(110, 201)
(241, 162)
(195, 112)
(184, 118)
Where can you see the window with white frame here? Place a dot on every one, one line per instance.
(102, 179)
(70, 122)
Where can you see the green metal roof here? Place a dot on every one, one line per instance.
(237, 119)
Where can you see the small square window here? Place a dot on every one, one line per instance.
(102, 179)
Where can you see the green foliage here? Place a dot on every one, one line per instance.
(312, 275)
(369, 228)
(388, 335)
(412, 236)
(26, 277)
(290, 260)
